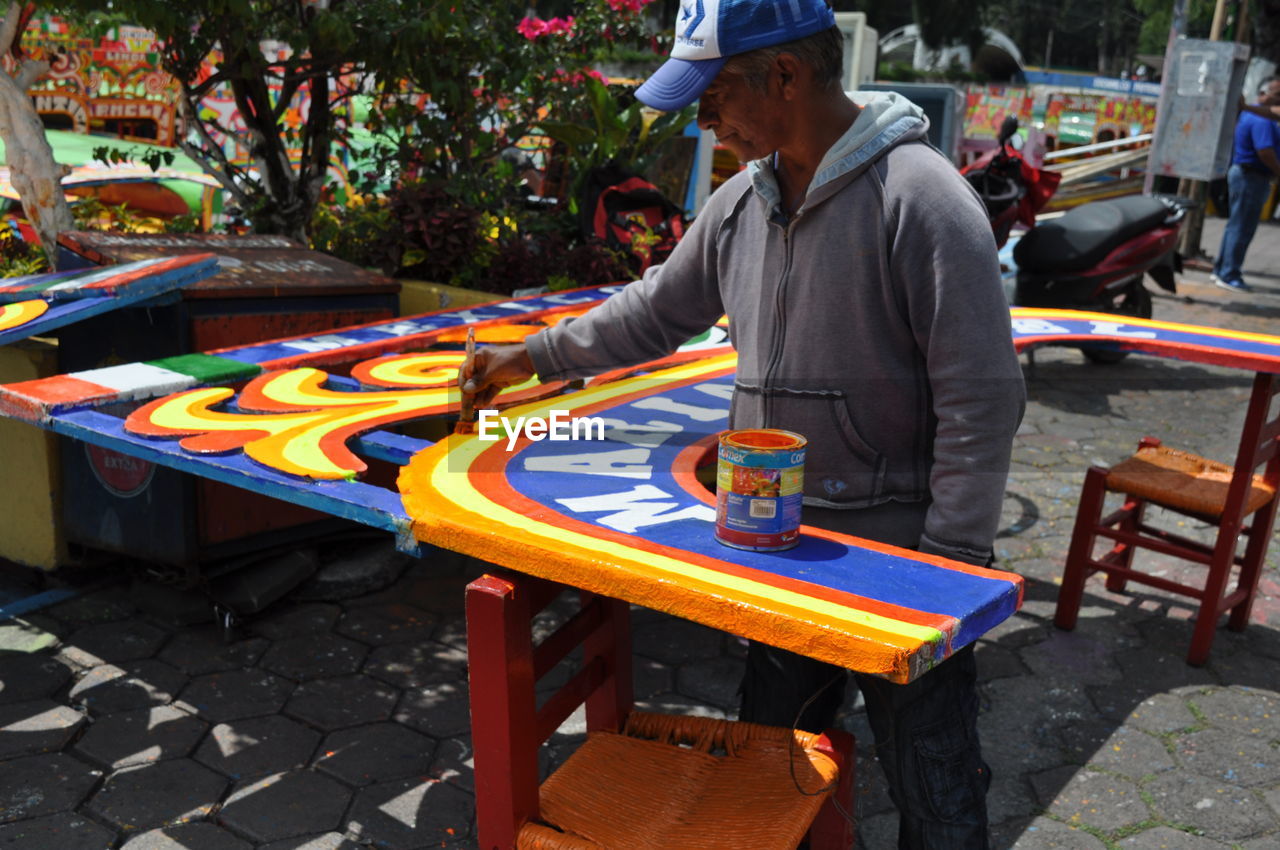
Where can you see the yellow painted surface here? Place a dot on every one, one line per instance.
(422, 296)
(30, 510)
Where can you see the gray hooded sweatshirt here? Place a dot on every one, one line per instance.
(872, 321)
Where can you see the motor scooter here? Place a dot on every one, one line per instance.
(1093, 257)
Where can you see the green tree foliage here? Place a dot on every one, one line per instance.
(326, 39)
(471, 79)
(1158, 18)
(1265, 17)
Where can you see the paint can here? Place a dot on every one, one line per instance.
(759, 489)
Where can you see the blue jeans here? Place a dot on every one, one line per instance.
(1248, 194)
(926, 732)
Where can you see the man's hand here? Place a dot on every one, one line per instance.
(491, 370)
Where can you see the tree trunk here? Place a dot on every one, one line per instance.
(32, 170)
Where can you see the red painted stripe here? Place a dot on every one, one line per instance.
(49, 394)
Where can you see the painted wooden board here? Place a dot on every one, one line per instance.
(145, 277)
(37, 400)
(39, 304)
(1215, 346)
(626, 516)
(252, 266)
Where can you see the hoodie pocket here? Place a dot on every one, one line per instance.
(840, 465)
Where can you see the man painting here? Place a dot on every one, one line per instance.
(860, 277)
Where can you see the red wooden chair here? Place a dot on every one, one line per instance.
(640, 780)
(1217, 494)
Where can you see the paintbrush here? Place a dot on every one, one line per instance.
(467, 412)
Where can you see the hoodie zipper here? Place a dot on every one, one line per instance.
(779, 329)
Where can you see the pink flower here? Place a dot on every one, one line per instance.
(599, 76)
(560, 26)
(629, 5)
(532, 28)
(535, 28)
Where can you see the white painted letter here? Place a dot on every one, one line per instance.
(631, 512)
(698, 414)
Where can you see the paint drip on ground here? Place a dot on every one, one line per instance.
(759, 489)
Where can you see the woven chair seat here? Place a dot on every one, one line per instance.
(695, 783)
(1183, 480)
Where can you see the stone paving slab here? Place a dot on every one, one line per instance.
(30, 634)
(114, 642)
(258, 746)
(33, 786)
(235, 694)
(64, 831)
(28, 677)
(410, 814)
(200, 650)
(39, 726)
(314, 657)
(379, 752)
(111, 688)
(145, 736)
(1218, 809)
(164, 794)
(328, 841)
(187, 836)
(284, 805)
(331, 704)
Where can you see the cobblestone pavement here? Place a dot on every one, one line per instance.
(344, 724)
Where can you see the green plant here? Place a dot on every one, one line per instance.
(475, 77)
(354, 231)
(19, 257)
(631, 136)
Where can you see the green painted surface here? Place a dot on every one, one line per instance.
(208, 368)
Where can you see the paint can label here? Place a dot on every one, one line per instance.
(759, 489)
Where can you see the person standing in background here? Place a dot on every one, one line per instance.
(1254, 164)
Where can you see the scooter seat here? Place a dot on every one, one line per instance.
(1084, 236)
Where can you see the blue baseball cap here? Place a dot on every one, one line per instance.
(708, 32)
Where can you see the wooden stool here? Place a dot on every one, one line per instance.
(641, 780)
(1185, 483)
